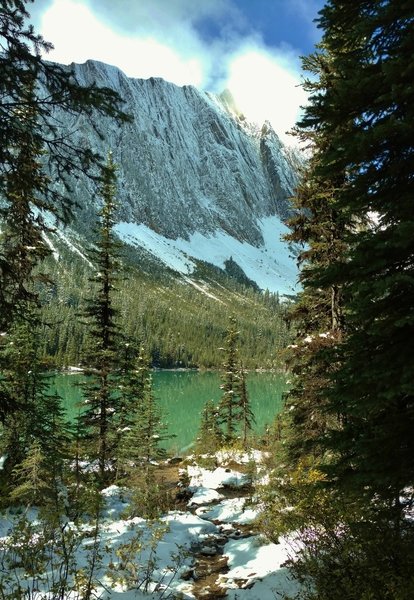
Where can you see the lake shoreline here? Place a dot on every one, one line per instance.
(181, 397)
(73, 370)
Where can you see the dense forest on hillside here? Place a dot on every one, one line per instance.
(338, 483)
(181, 326)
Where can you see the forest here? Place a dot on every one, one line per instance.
(340, 458)
(159, 310)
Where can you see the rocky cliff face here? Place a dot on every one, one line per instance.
(188, 165)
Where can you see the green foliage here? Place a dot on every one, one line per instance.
(22, 246)
(34, 481)
(141, 433)
(348, 455)
(233, 418)
(233, 269)
(246, 414)
(372, 91)
(100, 391)
(210, 435)
(229, 410)
(150, 495)
(357, 559)
(34, 151)
(234, 409)
(37, 419)
(179, 325)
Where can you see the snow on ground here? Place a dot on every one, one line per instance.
(271, 265)
(167, 544)
(204, 496)
(218, 478)
(233, 510)
(64, 238)
(49, 243)
(225, 457)
(250, 560)
(202, 289)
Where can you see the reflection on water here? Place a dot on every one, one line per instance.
(182, 395)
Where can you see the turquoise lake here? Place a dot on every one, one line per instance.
(182, 395)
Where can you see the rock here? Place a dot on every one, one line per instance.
(209, 550)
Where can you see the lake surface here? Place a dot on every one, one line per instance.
(182, 396)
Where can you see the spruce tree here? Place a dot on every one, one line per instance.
(22, 246)
(373, 46)
(318, 313)
(140, 445)
(140, 442)
(354, 503)
(102, 360)
(34, 482)
(229, 409)
(210, 435)
(38, 416)
(246, 417)
(135, 371)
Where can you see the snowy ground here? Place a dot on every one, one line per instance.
(254, 567)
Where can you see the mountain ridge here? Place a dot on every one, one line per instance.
(191, 168)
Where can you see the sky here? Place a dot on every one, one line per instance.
(251, 47)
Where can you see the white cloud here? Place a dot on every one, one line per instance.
(138, 16)
(145, 42)
(265, 85)
(78, 36)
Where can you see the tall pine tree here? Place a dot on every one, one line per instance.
(102, 360)
(373, 46)
(357, 540)
(229, 409)
(246, 415)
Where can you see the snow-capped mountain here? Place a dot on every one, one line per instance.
(195, 179)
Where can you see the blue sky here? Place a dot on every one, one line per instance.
(251, 47)
(279, 22)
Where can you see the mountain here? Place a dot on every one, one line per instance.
(196, 180)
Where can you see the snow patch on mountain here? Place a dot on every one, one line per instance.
(196, 181)
(271, 265)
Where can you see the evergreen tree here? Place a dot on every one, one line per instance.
(135, 371)
(34, 483)
(35, 152)
(21, 244)
(246, 414)
(38, 416)
(101, 393)
(372, 44)
(21, 249)
(318, 314)
(353, 479)
(320, 228)
(140, 445)
(141, 441)
(229, 403)
(210, 435)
